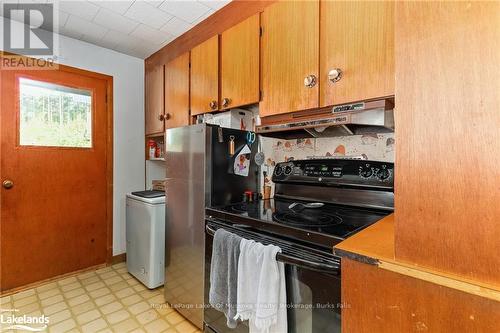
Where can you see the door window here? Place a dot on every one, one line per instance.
(54, 115)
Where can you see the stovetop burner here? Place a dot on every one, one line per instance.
(307, 219)
(329, 220)
(243, 207)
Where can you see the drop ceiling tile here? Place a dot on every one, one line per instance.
(115, 38)
(83, 9)
(68, 32)
(128, 49)
(176, 26)
(203, 17)
(155, 3)
(118, 6)
(146, 14)
(189, 11)
(76, 25)
(154, 36)
(112, 20)
(215, 4)
(96, 40)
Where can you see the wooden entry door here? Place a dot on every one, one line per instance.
(56, 173)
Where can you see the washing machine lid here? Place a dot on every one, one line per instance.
(150, 197)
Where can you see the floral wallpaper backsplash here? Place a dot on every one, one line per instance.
(377, 147)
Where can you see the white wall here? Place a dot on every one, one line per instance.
(128, 115)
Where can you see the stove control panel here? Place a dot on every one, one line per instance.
(336, 172)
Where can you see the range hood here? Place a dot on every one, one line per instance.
(374, 116)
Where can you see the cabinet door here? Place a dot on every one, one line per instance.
(205, 77)
(290, 55)
(154, 101)
(240, 64)
(177, 92)
(357, 37)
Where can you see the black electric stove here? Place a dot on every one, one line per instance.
(316, 204)
(318, 201)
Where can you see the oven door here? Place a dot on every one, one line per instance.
(313, 295)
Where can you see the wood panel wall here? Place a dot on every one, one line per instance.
(231, 14)
(447, 190)
(376, 300)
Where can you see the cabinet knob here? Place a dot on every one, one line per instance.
(167, 116)
(310, 81)
(161, 117)
(213, 105)
(7, 184)
(225, 102)
(335, 75)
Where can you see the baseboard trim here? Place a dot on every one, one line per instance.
(118, 258)
(58, 277)
(114, 260)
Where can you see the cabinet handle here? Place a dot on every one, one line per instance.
(310, 81)
(335, 75)
(225, 102)
(213, 105)
(161, 117)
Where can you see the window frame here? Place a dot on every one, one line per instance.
(58, 83)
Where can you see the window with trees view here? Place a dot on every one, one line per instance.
(54, 115)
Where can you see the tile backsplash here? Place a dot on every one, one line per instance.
(377, 147)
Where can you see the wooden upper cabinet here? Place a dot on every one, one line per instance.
(357, 37)
(177, 92)
(290, 57)
(154, 101)
(205, 77)
(240, 64)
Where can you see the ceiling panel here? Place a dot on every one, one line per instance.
(135, 27)
(112, 20)
(155, 36)
(83, 9)
(117, 6)
(147, 14)
(188, 11)
(176, 26)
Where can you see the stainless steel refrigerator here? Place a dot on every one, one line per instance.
(199, 174)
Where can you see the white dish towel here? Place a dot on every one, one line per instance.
(261, 288)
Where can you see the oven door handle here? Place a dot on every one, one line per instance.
(294, 261)
(209, 230)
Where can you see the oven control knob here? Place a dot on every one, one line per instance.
(383, 174)
(288, 170)
(278, 170)
(365, 171)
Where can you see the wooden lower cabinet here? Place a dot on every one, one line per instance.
(378, 300)
(177, 92)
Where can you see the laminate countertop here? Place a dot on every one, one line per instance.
(375, 246)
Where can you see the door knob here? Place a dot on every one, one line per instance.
(213, 105)
(167, 116)
(310, 81)
(7, 184)
(335, 75)
(225, 102)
